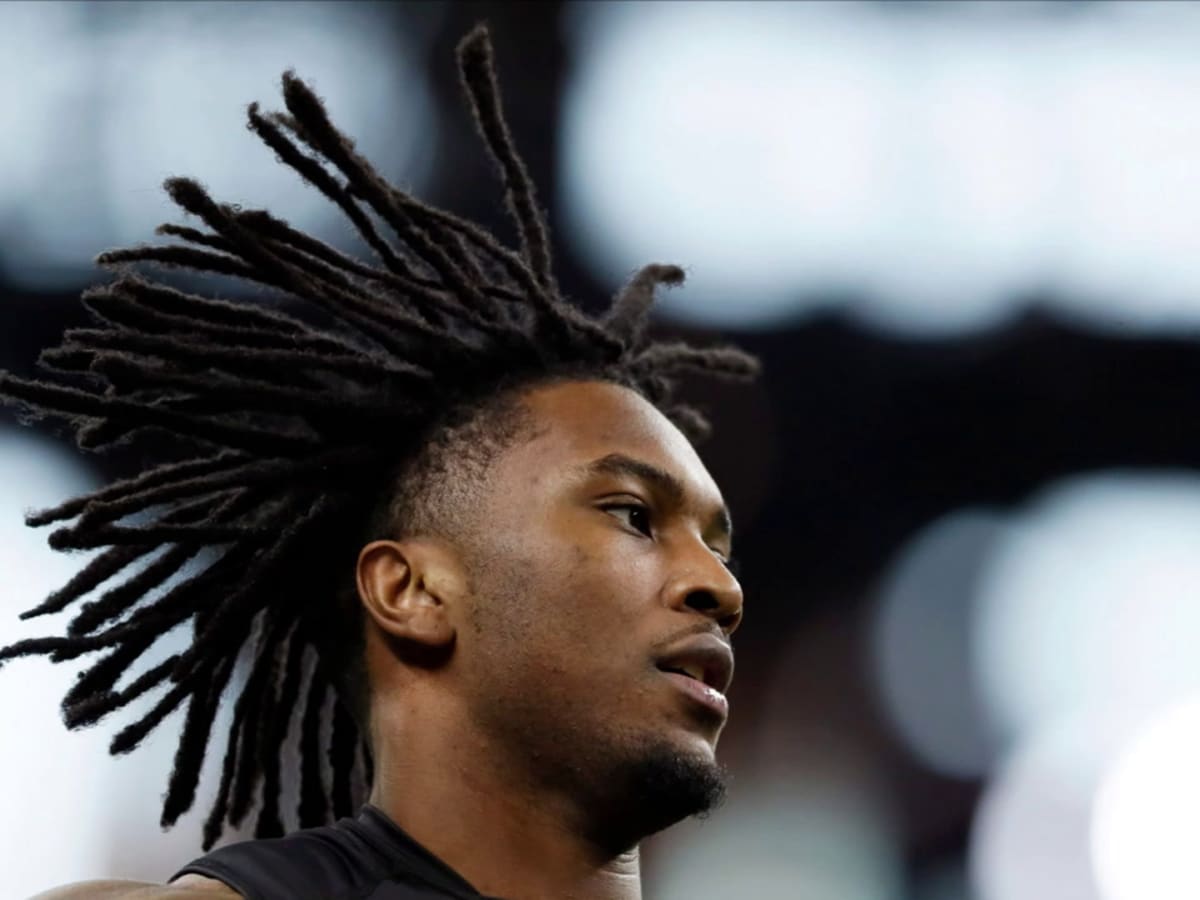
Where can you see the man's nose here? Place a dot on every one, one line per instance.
(708, 587)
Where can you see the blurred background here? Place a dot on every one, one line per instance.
(964, 239)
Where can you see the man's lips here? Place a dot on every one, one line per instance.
(704, 658)
(706, 696)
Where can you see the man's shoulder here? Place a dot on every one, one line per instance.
(368, 855)
(188, 887)
(313, 862)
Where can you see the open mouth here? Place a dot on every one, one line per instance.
(706, 659)
(696, 674)
(696, 690)
(701, 667)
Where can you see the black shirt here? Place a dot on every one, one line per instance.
(364, 858)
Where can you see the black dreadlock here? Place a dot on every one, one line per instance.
(285, 423)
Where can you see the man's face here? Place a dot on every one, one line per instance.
(596, 564)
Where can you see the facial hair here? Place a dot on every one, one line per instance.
(647, 788)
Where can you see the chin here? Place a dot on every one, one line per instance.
(664, 783)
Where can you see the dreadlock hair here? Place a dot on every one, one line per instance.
(294, 432)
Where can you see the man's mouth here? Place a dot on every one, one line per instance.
(691, 670)
(702, 668)
(698, 691)
(704, 657)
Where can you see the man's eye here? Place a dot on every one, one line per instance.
(635, 514)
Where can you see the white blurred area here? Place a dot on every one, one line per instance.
(922, 165)
(115, 97)
(35, 781)
(1052, 652)
(101, 811)
(1030, 838)
(1148, 813)
(813, 831)
(1091, 601)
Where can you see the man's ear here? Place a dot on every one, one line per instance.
(410, 589)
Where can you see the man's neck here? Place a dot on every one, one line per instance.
(493, 829)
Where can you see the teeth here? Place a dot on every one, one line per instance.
(695, 671)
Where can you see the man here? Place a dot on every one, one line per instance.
(457, 536)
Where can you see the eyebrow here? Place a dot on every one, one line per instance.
(661, 479)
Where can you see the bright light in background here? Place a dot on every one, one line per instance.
(115, 97)
(1148, 813)
(106, 810)
(1091, 601)
(1037, 650)
(814, 833)
(921, 643)
(1029, 840)
(1101, 805)
(709, 136)
(40, 769)
(933, 161)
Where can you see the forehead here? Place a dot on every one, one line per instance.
(576, 423)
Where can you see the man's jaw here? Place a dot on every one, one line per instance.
(665, 782)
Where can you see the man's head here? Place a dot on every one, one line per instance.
(590, 556)
(442, 397)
